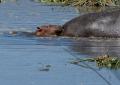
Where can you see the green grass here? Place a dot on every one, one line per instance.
(105, 61)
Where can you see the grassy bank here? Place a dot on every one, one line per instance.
(84, 2)
(86, 5)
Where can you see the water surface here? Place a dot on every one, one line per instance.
(23, 58)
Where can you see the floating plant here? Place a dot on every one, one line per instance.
(105, 61)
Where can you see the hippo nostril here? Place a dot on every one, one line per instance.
(40, 30)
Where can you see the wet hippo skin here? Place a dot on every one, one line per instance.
(102, 24)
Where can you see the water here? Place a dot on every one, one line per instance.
(24, 58)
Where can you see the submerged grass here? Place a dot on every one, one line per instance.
(105, 61)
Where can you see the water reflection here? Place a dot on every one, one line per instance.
(117, 74)
(97, 46)
(3, 1)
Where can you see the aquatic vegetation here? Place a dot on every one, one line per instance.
(84, 2)
(105, 61)
(108, 62)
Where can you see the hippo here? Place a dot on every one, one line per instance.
(101, 24)
(48, 30)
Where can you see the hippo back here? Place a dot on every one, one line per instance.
(94, 24)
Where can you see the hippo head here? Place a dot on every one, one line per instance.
(49, 30)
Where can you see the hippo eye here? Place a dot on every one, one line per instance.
(38, 27)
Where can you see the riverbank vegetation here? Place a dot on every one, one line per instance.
(84, 2)
(86, 6)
